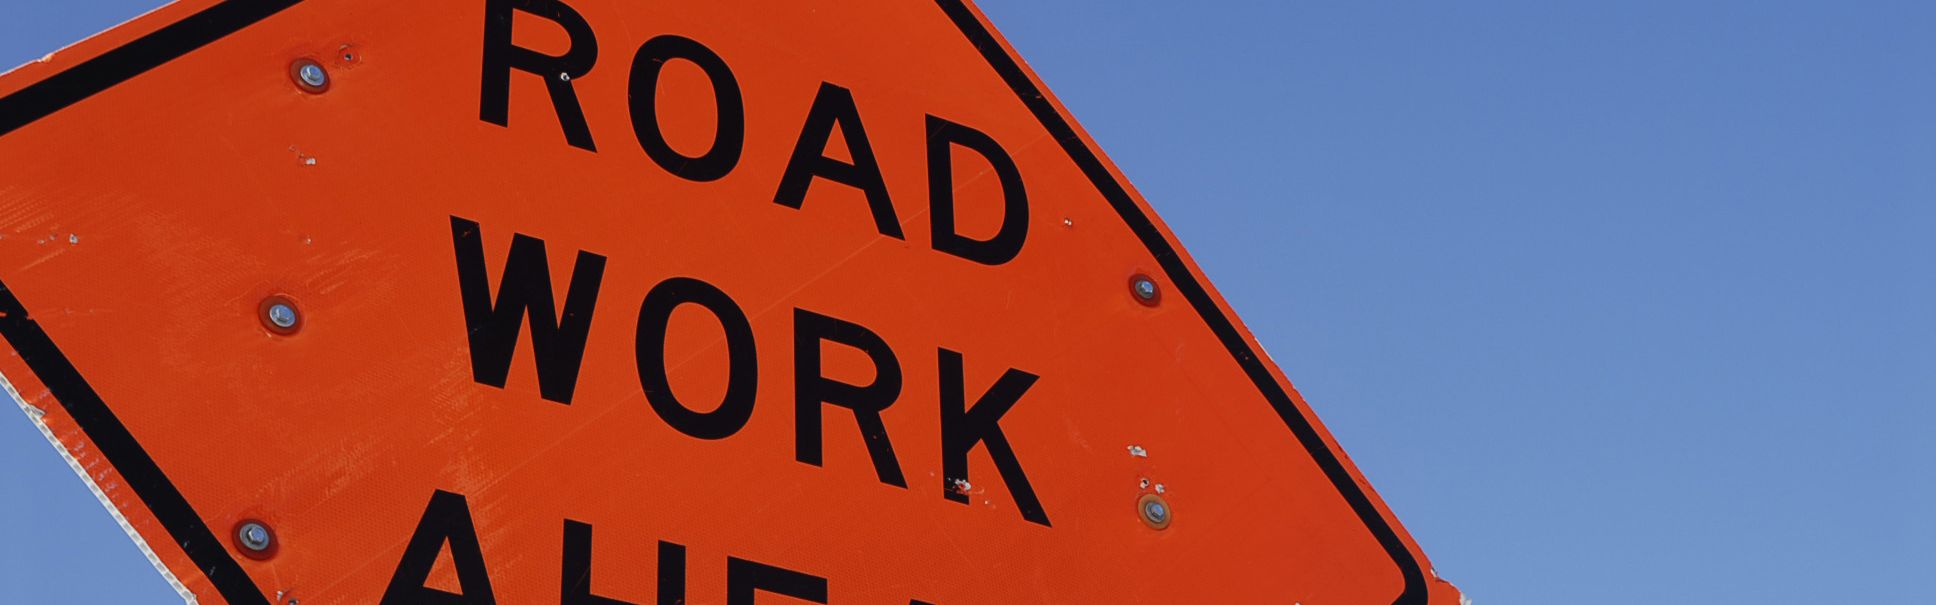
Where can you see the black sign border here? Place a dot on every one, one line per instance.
(1193, 291)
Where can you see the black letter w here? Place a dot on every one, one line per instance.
(557, 342)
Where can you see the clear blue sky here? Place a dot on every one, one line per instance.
(1617, 302)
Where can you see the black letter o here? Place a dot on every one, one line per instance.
(644, 90)
(743, 370)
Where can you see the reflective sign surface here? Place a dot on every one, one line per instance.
(589, 302)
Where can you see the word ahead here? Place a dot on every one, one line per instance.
(447, 522)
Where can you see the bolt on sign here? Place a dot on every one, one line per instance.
(605, 302)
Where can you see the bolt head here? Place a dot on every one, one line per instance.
(309, 75)
(254, 536)
(313, 75)
(282, 315)
(1154, 510)
(254, 539)
(1144, 289)
(278, 313)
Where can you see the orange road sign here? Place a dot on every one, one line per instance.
(600, 302)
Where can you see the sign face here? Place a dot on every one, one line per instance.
(529, 301)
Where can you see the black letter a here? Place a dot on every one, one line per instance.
(834, 107)
(447, 519)
(558, 343)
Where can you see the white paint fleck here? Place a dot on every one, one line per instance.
(73, 238)
(1138, 451)
(1159, 488)
(302, 158)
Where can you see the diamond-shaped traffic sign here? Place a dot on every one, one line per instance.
(533, 301)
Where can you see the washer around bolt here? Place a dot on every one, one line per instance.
(279, 315)
(1155, 511)
(255, 540)
(1144, 289)
(309, 75)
